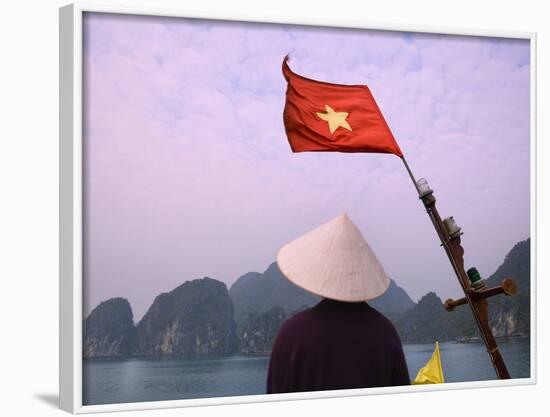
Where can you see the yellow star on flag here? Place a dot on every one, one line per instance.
(335, 119)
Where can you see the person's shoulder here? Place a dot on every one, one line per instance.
(290, 333)
(384, 322)
(297, 322)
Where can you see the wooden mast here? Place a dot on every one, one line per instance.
(475, 294)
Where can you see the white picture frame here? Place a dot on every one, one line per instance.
(71, 206)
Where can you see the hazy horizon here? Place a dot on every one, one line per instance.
(188, 172)
(230, 283)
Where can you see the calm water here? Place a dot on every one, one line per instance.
(113, 380)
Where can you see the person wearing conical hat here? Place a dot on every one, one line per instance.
(341, 342)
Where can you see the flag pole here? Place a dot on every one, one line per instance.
(476, 293)
(410, 174)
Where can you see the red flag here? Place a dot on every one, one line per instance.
(321, 116)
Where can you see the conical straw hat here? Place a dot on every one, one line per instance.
(334, 261)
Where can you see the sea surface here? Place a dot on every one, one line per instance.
(108, 381)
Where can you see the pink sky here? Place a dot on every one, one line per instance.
(189, 174)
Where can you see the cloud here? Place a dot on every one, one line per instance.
(189, 172)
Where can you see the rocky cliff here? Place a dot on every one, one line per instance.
(109, 329)
(394, 301)
(256, 293)
(194, 319)
(429, 321)
(421, 322)
(257, 333)
(508, 316)
(198, 317)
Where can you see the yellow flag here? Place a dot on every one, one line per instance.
(432, 372)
